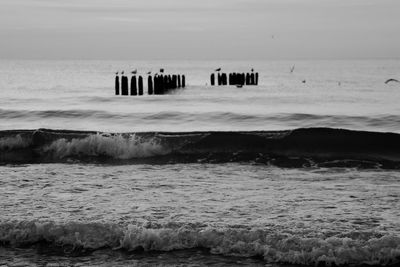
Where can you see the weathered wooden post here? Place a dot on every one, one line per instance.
(150, 85)
(252, 81)
(224, 79)
(124, 85)
(162, 85)
(219, 79)
(133, 86)
(256, 78)
(175, 81)
(156, 85)
(212, 79)
(116, 85)
(247, 78)
(179, 81)
(183, 81)
(140, 81)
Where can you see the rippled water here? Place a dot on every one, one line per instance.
(233, 212)
(79, 95)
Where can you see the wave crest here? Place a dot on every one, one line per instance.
(114, 146)
(275, 247)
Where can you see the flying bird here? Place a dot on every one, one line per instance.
(218, 69)
(391, 80)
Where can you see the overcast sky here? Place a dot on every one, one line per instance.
(199, 29)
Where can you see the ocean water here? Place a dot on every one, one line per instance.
(280, 174)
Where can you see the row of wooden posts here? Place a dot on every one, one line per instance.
(235, 79)
(159, 85)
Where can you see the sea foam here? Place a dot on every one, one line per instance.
(114, 146)
(274, 246)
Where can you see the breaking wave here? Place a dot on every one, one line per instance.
(303, 147)
(353, 248)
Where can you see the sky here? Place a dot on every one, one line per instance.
(199, 29)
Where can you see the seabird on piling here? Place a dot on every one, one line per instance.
(392, 80)
(162, 70)
(252, 70)
(218, 69)
(134, 71)
(149, 73)
(116, 73)
(122, 72)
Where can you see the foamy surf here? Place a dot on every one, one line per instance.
(274, 246)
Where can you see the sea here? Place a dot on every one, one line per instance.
(302, 169)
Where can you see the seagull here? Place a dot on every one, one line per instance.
(218, 69)
(292, 69)
(149, 73)
(122, 73)
(116, 73)
(134, 71)
(162, 70)
(252, 69)
(392, 80)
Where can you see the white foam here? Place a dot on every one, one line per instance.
(114, 146)
(275, 247)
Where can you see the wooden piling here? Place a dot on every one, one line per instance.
(247, 78)
(212, 79)
(133, 86)
(124, 85)
(252, 81)
(140, 85)
(175, 81)
(256, 80)
(219, 79)
(117, 85)
(150, 85)
(183, 81)
(179, 81)
(162, 85)
(224, 79)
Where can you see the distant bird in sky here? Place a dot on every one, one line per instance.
(218, 69)
(292, 69)
(391, 80)
(134, 71)
(162, 70)
(304, 81)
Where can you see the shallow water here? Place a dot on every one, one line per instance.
(281, 215)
